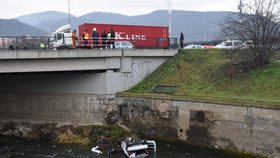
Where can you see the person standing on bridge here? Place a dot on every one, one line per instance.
(182, 40)
(95, 37)
(11, 47)
(42, 45)
(85, 38)
(113, 35)
(74, 38)
(104, 38)
(108, 40)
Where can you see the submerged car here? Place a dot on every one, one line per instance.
(138, 148)
(123, 45)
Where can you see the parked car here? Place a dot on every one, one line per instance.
(194, 46)
(230, 44)
(250, 44)
(123, 45)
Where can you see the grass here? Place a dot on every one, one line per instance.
(217, 75)
(105, 135)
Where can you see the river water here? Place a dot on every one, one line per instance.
(20, 148)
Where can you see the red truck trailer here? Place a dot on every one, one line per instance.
(139, 36)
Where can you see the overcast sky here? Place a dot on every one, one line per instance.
(15, 8)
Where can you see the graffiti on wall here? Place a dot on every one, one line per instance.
(140, 69)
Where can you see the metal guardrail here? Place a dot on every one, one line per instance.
(33, 42)
(23, 43)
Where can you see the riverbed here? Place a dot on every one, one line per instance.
(21, 148)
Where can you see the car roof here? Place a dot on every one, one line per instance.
(122, 42)
(233, 41)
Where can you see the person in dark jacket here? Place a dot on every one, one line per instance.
(113, 36)
(104, 38)
(95, 37)
(182, 40)
(11, 47)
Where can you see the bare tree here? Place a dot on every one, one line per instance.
(258, 21)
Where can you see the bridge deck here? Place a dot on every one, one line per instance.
(18, 61)
(83, 53)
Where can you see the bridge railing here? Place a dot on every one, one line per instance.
(34, 42)
(23, 43)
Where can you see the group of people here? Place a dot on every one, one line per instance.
(11, 47)
(107, 38)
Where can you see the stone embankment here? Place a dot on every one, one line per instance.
(242, 128)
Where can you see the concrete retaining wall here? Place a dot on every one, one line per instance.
(71, 108)
(242, 128)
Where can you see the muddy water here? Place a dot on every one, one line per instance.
(18, 148)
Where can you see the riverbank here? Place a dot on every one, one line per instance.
(67, 133)
(215, 75)
(50, 139)
(10, 147)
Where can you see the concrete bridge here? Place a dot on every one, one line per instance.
(77, 70)
(78, 87)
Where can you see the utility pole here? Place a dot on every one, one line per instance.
(170, 25)
(69, 12)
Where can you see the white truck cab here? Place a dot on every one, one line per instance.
(61, 38)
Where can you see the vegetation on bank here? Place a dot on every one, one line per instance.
(213, 74)
(86, 135)
(103, 135)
